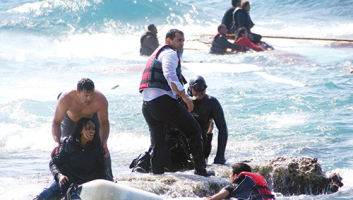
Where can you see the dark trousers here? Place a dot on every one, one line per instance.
(257, 38)
(67, 126)
(164, 111)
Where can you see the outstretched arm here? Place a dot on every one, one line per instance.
(104, 124)
(59, 115)
(220, 195)
(218, 116)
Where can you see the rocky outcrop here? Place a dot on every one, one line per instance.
(288, 176)
(295, 176)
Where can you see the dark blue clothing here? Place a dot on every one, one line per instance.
(241, 18)
(164, 111)
(220, 44)
(55, 192)
(228, 19)
(79, 164)
(67, 126)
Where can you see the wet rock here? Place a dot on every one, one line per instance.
(295, 176)
(288, 176)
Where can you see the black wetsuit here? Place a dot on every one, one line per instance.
(204, 110)
(220, 44)
(241, 18)
(228, 19)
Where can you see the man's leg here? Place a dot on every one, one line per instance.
(170, 112)
(154, 117)
(186, 123)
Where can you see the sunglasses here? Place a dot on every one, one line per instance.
(199, 88)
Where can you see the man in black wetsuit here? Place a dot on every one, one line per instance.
(228, 15)
(220, 43)
(149, 41)
(205, 109)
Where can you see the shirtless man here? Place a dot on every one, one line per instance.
(83, 102)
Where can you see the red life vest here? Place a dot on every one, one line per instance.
(153, 77)
(260, 182)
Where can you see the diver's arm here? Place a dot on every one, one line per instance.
(218, 116)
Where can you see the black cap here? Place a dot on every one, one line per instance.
(197, 80)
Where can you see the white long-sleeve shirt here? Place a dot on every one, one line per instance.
(169, 59)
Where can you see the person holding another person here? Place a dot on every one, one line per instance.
(85, 101)
(244, 185)
(149, 41)
(80, 159)
(220, 43)
(206, 109)
(162, 83)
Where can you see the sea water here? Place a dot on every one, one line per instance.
(293, 101)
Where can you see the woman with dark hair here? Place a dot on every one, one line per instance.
(80, 159)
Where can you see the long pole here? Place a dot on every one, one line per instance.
(292, 38)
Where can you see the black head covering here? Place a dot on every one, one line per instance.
(197, 80)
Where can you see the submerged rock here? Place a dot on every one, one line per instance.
(288, 176)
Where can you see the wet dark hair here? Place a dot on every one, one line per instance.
(171, 33)
(76, 133)
(85, 84)
(240, 167)
(241, 31)
(220, 27)
(234, 2)
(150, 27)
(244, 4)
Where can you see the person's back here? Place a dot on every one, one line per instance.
(228, 19)
(149, 41)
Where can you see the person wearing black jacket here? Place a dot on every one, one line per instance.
(80, 159)
(228, 15)
(241, 18)
(149, 41)
(220, 43)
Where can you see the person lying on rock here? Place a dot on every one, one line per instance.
(244, 185)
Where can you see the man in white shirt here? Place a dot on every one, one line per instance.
(161, 85)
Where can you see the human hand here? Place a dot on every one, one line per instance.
(251, 37)
(106, 152)
(63, 179)
(189, 103)
(55, 151)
